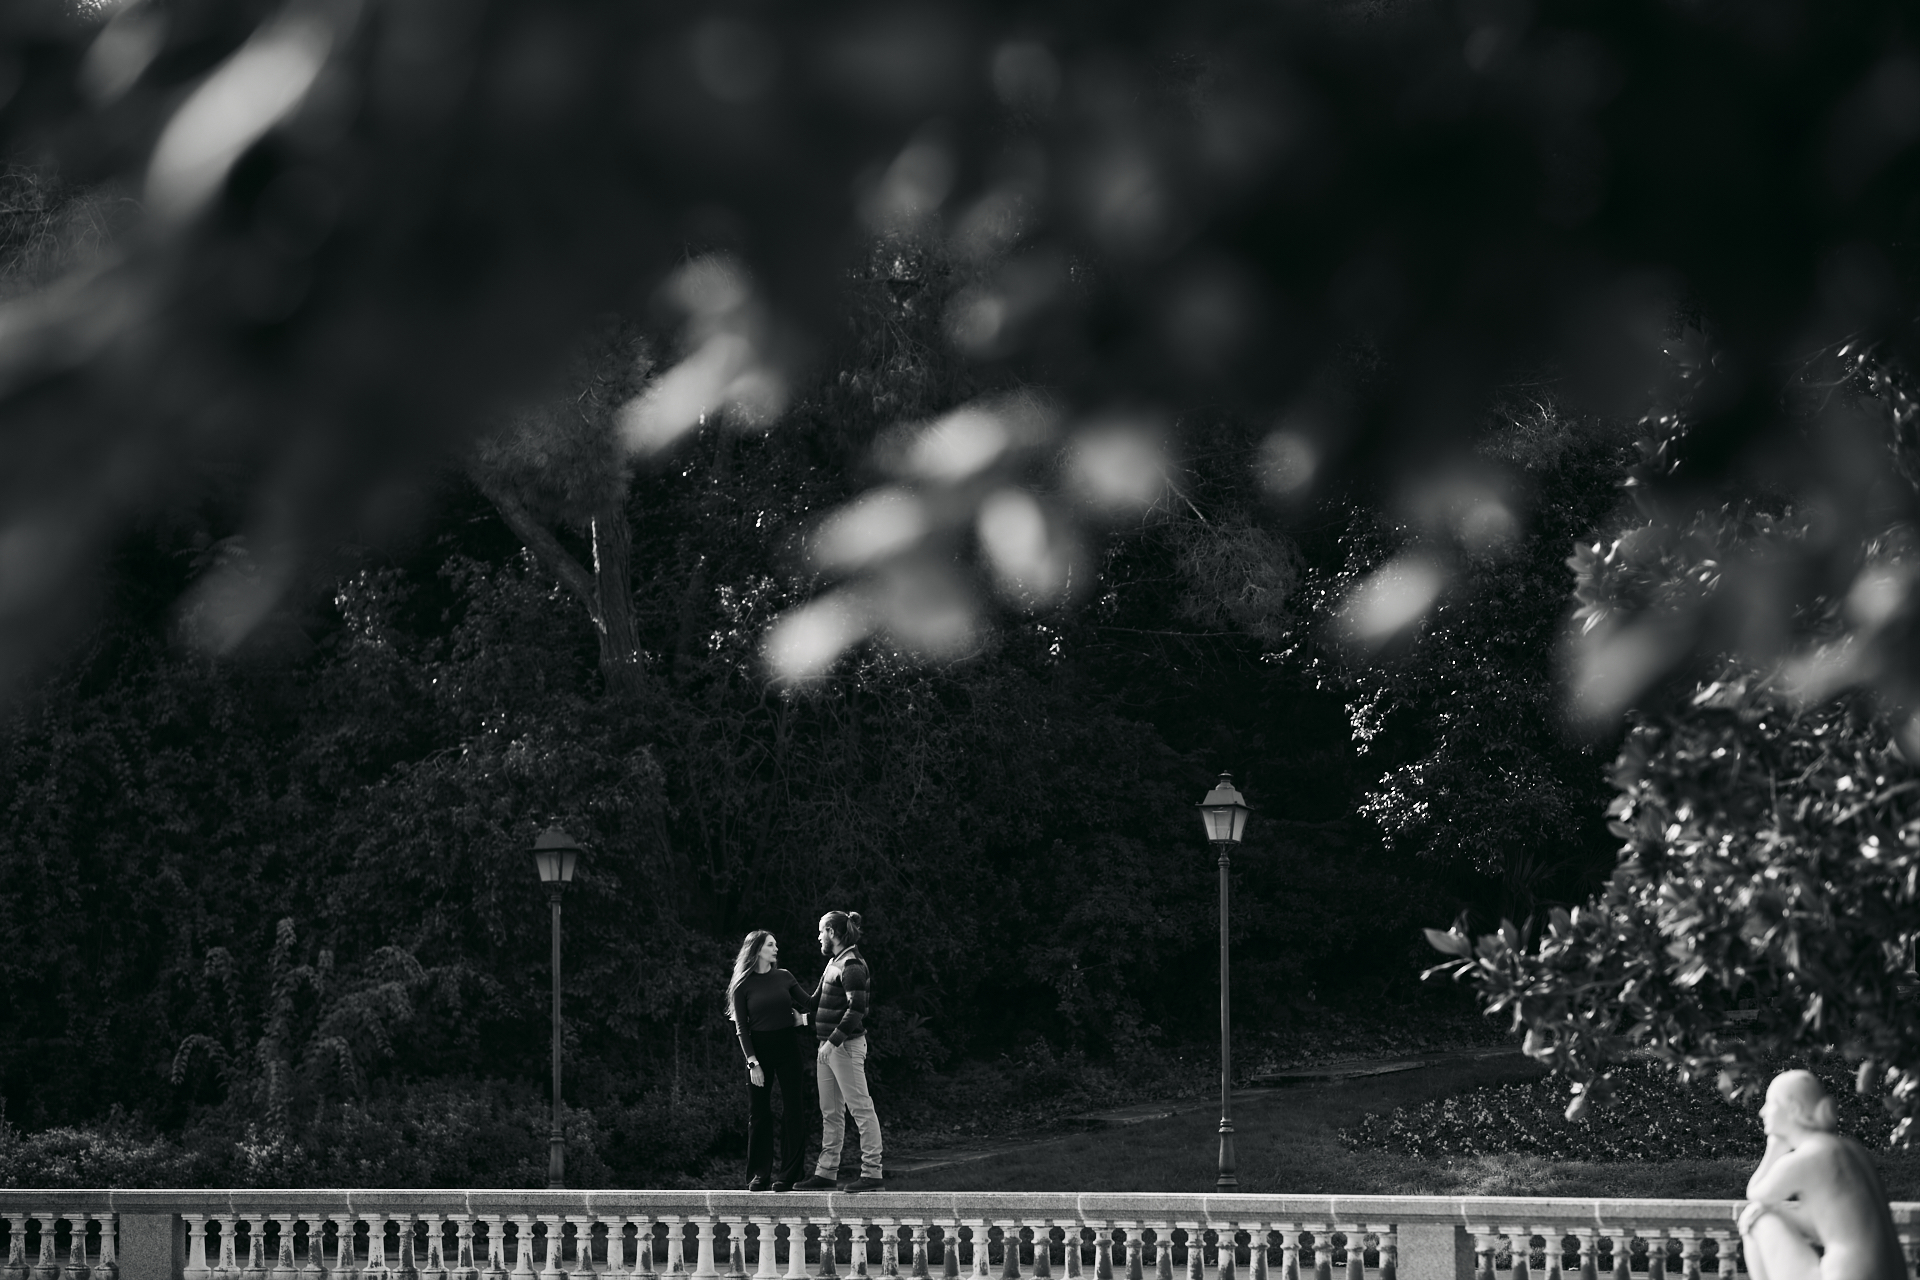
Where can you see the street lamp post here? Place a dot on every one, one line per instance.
(1224, 812)
(555, 854)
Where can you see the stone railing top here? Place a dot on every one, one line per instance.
(1474, 1212)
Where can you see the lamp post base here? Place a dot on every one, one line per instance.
(1226, 1181)
(557, 1163)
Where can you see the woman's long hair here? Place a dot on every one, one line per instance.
(743, 963)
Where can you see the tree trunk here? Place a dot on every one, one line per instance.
(620, 667)
(606, 591)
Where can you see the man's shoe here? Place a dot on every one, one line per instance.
(758, 1184)
(814, 1182)
(780, 1186)
(864, 1184)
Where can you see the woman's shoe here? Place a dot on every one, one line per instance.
(780, 1186)
(759, 1183)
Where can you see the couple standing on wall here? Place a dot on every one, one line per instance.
(768, 1009)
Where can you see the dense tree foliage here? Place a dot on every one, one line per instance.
(1767, 809)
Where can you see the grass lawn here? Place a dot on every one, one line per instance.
(1288, 1141)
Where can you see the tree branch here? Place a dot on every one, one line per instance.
(546, 549)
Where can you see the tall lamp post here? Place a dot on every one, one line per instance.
(555, 854)
(1225, 813)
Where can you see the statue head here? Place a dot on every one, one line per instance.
(1796, 1103)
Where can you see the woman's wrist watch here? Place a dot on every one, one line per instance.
(753, 1062)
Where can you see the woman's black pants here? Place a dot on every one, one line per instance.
(779, 1054)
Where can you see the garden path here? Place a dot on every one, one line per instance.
(1144, 1112)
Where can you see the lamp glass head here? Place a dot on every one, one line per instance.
(555, 855)
(1224, 812)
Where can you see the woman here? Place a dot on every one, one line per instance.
(768, 1007)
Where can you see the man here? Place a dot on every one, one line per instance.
(840, 1064)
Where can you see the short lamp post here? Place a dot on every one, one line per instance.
(1225, 813)
(555, 854)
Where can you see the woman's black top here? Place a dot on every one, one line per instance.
(765, 1002)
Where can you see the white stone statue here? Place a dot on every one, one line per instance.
(1815, 1207)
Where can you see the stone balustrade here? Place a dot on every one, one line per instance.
(693, 1235)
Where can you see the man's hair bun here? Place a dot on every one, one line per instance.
(844, 923)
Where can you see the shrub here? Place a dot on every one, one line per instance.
(1652, 1117)
(116, 1153)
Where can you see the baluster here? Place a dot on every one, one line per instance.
(676, 1248)
(1485, 1244)
(797, 1249)
(229, 1267)
(1555, 1242)
(1290, 1251)
(1390, 1253)
(346, 1248)
(48, 1265)
(1589, 1240)
(1196, 1250)
(890, 1248)
(616, 1234)
(406, 1233)
(586, 1265)
(1323, 1252)
(1256, 1252)
(1622, 1256)
(462, 1267)
(1689, 1252)
(1009, 1251)
(76, 1268)
(859, 1246)
(1070, 1252)
(108, 1268)
(1136, 1250)
(1042, 1250)
(315, 1267)
(522, 1247)
(982, 1265)
(1656, 1256)
(737, 1249)
(642, 1264)
(830, 1249)
(1713, 1250)
(1521, 1242)
(1356, 1236)
(496, 1263)
(434, 1266)
(1103, 1252)
(767, 1268)
(284, 1266)
(553, 1239)
(1226, 1250)
(921, 1271)
(950, 1250)
(16, 1264)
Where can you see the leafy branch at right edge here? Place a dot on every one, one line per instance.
(1766, 901)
